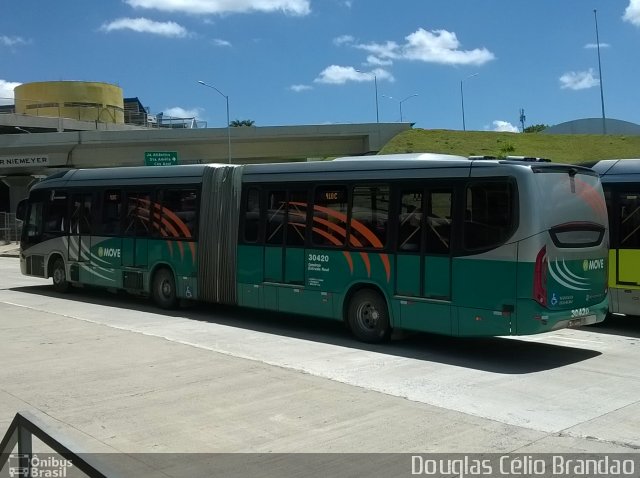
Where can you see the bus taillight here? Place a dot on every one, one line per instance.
(540, 277)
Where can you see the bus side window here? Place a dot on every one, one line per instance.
(410, 221)
(369, 217)
(56, 212)
(296, 218)
(491, 204)
(139, 218)
(276, 209)
(81, 214)
(438, 222)
(252, 215)
(174, 214)
(111, 212)
(329, 227)
(629, 220)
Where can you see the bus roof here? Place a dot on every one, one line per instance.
(381, 167)
(617, 170)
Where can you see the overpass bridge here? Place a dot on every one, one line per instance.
(25, 158)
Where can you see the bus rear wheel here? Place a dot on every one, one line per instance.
(59, 276)
(163, 289)
(368, 317)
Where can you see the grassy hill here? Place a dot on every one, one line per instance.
(559, 148)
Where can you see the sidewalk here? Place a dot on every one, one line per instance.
(9, 250)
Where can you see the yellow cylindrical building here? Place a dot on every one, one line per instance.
(81, 100)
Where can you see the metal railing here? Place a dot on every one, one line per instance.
(10, 228)
(21, 431)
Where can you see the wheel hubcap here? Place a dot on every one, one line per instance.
(368, 315)
(58, 276)
(166, 288)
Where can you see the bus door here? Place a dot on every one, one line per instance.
(138, 225)
(80, 225)
(423, 260)
(284, 251)
(627, 250)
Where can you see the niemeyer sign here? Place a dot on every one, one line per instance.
(24, 160)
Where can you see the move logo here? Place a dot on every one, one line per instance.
(593, 264)
(108, 252)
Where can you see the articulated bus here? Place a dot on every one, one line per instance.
(422, 242)
(621, 183)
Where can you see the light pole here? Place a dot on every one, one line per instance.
(464, 126)
(375, 82)
(228, 121)
(604, 127)
(402, 101)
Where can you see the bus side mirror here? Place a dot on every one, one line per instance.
(21, 210)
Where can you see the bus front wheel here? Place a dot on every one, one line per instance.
(164, 289)
(368, 317)
(59, 276)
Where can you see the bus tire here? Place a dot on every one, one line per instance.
(59, 276)
(368, 317)
(163, 289)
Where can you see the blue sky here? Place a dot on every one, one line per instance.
(291, 62)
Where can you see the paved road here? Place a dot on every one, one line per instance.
(128, 377)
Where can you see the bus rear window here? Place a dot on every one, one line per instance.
(577, 235)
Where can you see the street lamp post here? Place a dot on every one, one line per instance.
(228, 120)
(402, 101)
(375, 82)
(604, 123)
(464, 126)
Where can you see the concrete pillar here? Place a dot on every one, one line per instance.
(18, 189)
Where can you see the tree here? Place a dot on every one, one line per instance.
(240, 123)
(535, 128)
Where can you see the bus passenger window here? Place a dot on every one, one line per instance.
(138, 221)
(329, 226)
(296, 218)
(111, 210)
(175, 213)
(81, 214)
(629, 221)
(275, 216)
(491, 216)
(252, 215)
(369, 217)
(410, 221)
(54, 222)
(439, 222)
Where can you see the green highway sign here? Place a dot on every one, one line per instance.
(160, 158)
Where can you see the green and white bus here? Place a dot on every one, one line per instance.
(422, 242)
(621, 183)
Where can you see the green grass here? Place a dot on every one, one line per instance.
(558, 148)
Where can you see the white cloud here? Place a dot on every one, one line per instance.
(338, 75)
(12, 41)
(632, 13)
(178, 112)
(375, 61)
(220, 42)
(590, 46)
(504, 127)
(6, 92)
(437, 46)
(579, 80)
(290, 7)
(441, 46)
(341, 40)
(299, 88)
(144, 25)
